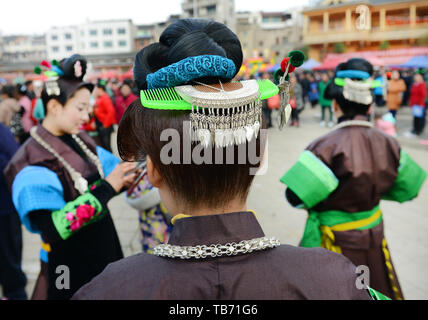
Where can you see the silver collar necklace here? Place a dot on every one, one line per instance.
(80, 183)
(215, 250)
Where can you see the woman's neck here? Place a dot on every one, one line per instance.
(233, 206)
(50, 126)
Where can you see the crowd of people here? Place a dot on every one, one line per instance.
(398, 89)
(23, 108)
(199, 240)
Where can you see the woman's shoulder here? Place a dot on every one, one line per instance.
(326, 269)
(134, 273)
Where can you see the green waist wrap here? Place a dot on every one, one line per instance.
(319, 222)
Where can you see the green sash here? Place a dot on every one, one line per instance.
(337, 221)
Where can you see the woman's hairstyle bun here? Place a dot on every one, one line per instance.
(333, 91)
(74, 67)
(187, 38)
(70, 73)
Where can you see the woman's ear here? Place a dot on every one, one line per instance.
(153, 174)
(53, 107)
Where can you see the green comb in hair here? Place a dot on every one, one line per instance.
(163, 99)
(169, 99)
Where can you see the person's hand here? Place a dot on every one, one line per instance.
(117, 178)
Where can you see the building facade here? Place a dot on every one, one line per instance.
(22, 52)
(219, 10)
(149, 33)
(334, 26)
(61, 42)
(107, 44)
(108, 36)
(269, 34)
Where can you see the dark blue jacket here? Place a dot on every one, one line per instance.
(8, 147)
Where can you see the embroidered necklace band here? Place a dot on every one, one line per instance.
(215, 250)
(349, 123)
(80, 183)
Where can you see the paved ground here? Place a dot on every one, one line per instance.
(406, 224)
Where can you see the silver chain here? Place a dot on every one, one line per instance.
(80, 183)
(94, 158)
(215, 250)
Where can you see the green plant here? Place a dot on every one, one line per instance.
(339, 47)
(384, 45)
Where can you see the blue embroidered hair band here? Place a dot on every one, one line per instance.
(191, 68)
(356, 74)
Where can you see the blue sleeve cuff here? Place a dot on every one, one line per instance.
(108, 160)
(36, 188)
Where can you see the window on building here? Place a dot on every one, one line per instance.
(336, 21)
(108, 44)
(315, 24)
(121, 31)
(422, 15)
(67, 36)
(54, 37)
(122, 43)
(396, 18)
(284, 40)
(375, 21)
(107, 32)
(94, 44)
(211, 9)
(93, 32)
(69, 48)
(55, 49)
(260, 43)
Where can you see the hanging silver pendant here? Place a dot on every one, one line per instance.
(228, 137)
(219, 138)
(256, 127)
(249, 132)
(204, 136)
(287, 113)
(284, 94)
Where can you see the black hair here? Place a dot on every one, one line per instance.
(69, 82)
(21, 89)
(101, 83)
(349, 108)
(194, 184)
(187, 38)
(140, 128)
(128, 82)
(9, 91)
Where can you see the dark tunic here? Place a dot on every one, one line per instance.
(88, 251)
(284, 272)
(366, 161)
